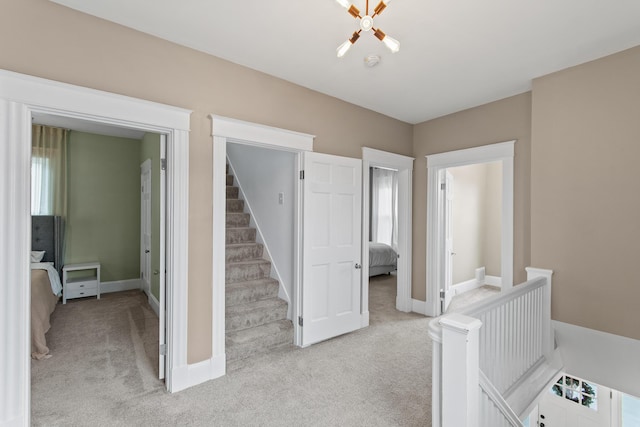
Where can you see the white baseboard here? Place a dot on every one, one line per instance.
(462, 287)
(493, 281)
(153, 302)
(187, 376)
(119, 285)
(418, 306)
(604, 358)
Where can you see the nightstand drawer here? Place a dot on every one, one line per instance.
(80, 284)
(80, 293)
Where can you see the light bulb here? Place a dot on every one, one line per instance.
(343, 48)
(386, 2)
(344, 3)
(391, 43)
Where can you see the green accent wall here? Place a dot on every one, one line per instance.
(150, 149)
(103, 219)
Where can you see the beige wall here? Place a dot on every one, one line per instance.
(44, 39)
(476, 220)
(585, 191)
(499, 121)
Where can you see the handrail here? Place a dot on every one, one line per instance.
(514, 341)
(473, 310)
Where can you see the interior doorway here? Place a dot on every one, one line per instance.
(21, 97)
(403, 167)
(439, 252)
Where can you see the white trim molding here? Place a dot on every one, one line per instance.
(436, 167)
(120, 285)
(223, 130)
(404, 166)
(21, 97)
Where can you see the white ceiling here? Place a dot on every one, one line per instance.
(455, 54)
(86, 126)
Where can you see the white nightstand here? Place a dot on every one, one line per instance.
(79, 287)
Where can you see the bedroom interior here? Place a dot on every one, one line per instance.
(91, 206)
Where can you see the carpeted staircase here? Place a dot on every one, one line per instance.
(256, 319)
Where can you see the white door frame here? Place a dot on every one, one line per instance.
(20, 97)
(436, 166)
(404, 165)
(225, 130)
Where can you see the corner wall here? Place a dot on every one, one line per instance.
(585, 199)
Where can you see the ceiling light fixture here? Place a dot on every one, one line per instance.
(366, 24)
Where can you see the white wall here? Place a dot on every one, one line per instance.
(263, 174)
(607, 359)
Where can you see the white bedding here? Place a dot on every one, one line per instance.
(381, 254)
(54, 278)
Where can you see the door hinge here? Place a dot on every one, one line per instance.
(163, 164)
(301, 174)
(442, 294)
(300, 322)
(163, 349)
(443, 186)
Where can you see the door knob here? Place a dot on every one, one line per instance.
(358, 266)
(146, 251)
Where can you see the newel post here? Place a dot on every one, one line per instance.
(460, 370)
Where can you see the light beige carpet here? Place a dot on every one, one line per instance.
(471, 297)
(103, 373)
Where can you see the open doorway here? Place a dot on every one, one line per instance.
(440, 250)
(472, 233)
(387, 206)
(99, 196)
(22, 97)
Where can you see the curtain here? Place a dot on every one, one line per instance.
(384, 207)
(48, 170)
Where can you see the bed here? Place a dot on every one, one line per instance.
(47, 234)
(382, 259)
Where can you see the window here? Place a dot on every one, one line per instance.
(576, 390)
(41, 203)
(630, 411)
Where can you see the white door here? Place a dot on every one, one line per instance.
(575, 407)
(332, 251)
(448, 240)
(145, 225)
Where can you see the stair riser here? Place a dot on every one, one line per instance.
(234, 219)
(256, 318)
(243, 273)
(232, 192)
(235, 296)
(229, 180)
(235, 205)
(260, 346)
(241, 235)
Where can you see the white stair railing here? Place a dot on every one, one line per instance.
(482, 354)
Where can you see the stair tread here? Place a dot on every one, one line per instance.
(250, 335)
(251, 283)
(242, 309)
(252, 261)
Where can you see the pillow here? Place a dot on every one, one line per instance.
(36, 256)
